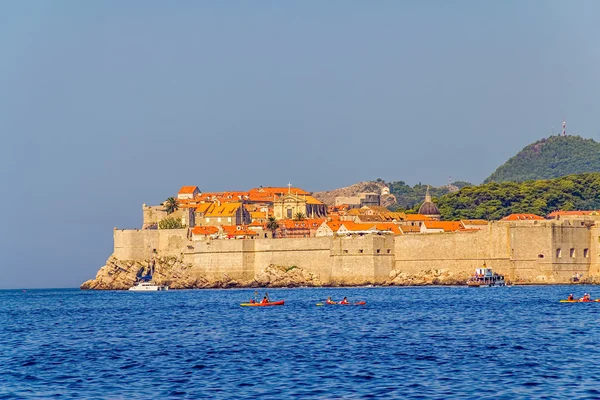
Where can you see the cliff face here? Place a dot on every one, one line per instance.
(121, 275)
(170, 271)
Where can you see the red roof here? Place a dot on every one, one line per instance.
(205, 230)
(522, 217)
(188, 189)
(447, 226)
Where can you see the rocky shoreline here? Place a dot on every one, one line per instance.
(122, 274)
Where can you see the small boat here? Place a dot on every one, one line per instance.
(581, 301)
(484, 277)
(357, 303)
(148, 287)
(272, 303)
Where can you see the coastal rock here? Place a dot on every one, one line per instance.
(428, 277)
(171, 271)
(284, 276)
(122, 274)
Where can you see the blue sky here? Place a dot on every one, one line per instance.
(107, 105)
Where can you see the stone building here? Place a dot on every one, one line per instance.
(362, 199)
(188, 192)
(291, 204)
(220, 214)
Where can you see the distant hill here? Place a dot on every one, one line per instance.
(550, 158)
(401, 195)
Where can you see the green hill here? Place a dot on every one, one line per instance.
(493, 201)
(549, 158)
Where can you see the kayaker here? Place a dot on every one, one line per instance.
(344, 301)
(570, 298)
(329, 301)
(265, 299)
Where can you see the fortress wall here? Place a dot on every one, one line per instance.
(214, 258)
(134, 245)
(524, 251)
(573, 239)
(139, 245)
(594, 251)
(529, 241)
(458, 252)
(545, 251)
(311, 254)
(364, 259)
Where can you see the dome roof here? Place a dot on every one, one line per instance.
(428, 208)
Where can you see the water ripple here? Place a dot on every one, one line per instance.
(414, 343)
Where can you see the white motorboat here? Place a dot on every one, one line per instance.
(484, 277)
(148, 287)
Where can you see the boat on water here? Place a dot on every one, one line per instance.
(257, 304)
(357, 303)
(484, 277)
(146, 286)
(581, 301)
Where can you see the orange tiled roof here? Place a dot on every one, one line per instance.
(277, 190)
(447, 226)
(223, 210)
(258, 215)
(416, 217)
(388, 226)
(187, 189)
(238, 230)
(353, 226)
(522, 217)
(377, 209)
(312, 200)
(410, 229)
(203, 207)
(204, 230)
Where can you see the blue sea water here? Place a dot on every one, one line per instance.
(428, 342)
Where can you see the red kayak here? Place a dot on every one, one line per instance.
(273, 303)
(358, 303)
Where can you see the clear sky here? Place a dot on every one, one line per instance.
(105, 105)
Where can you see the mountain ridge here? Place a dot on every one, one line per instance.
(547, 158)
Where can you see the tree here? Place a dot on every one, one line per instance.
(171, 204)
(299, 216)
(272, 225)
(170, 223)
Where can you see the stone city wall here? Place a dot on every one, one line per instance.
(525, 251)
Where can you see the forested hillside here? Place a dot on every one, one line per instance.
(549, 158)
(493, 201)
(411, 197)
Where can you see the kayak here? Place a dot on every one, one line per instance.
(273, 303)
(581, 301)
(358, 303)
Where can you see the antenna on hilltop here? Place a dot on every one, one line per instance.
(564, 127)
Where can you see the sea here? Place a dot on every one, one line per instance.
(406, 343)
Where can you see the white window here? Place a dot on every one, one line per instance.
(207, 219)
(219, 219)
(229, 219)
